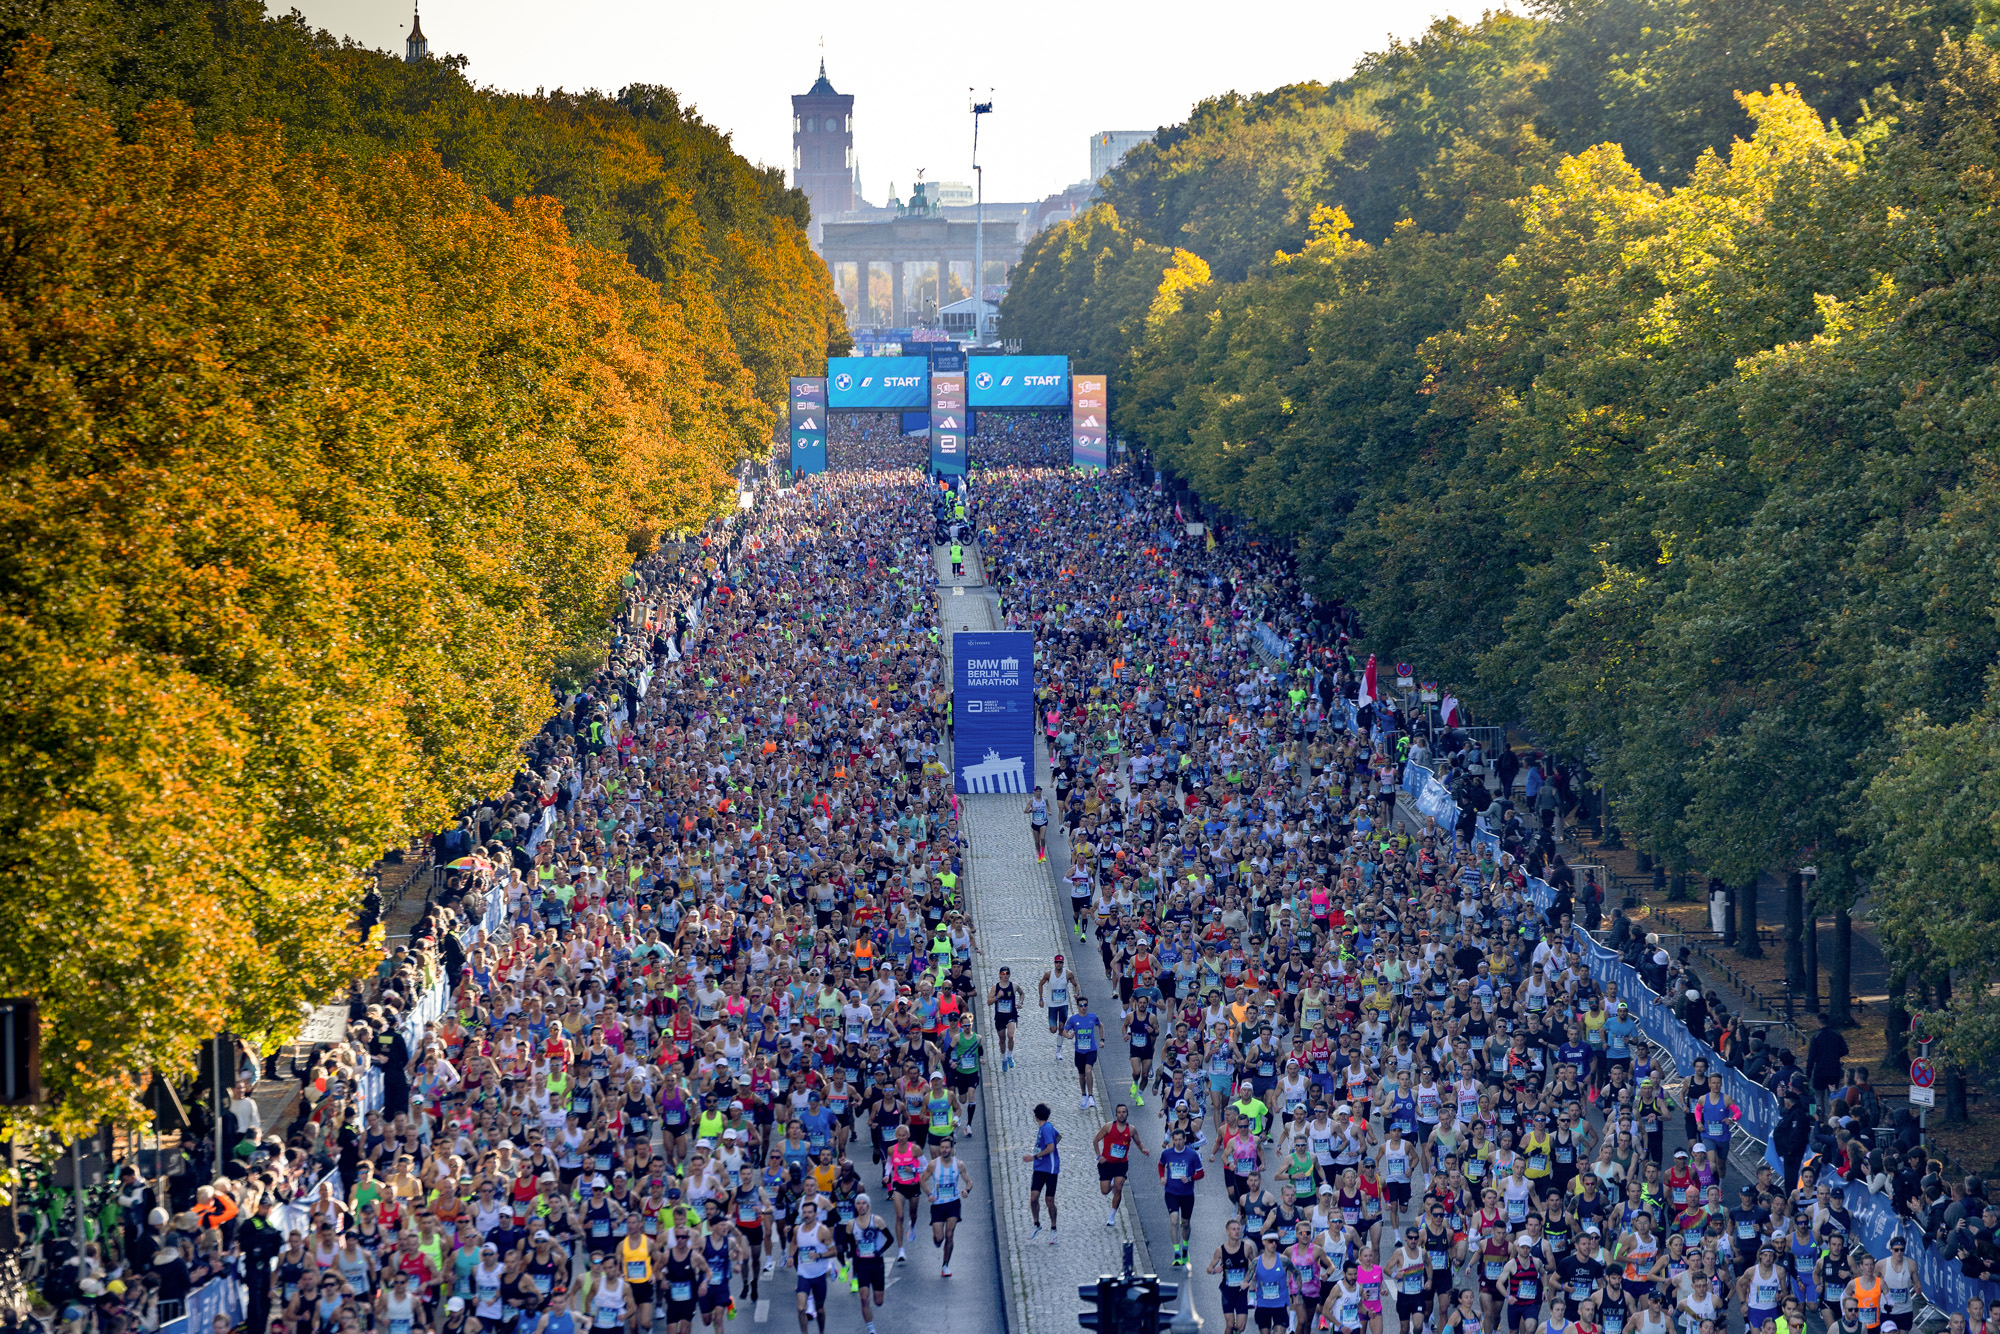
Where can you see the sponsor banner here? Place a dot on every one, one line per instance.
(808, 424)
(993, 711)
(948, 423)
(1018, 382)
(1089, 419)
(878, 382)
(946, 357)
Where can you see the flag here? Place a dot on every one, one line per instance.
(1367, 694)
(1448, 711)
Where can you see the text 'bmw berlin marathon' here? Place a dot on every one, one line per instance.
(993, 711)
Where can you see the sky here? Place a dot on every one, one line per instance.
(1058, 72)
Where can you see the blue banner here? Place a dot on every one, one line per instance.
(1018, 382)
(808, 424)
(879, 382)
(948, 423)
(993, 711)
(1089, 420)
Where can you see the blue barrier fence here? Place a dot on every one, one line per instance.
(218, 1297)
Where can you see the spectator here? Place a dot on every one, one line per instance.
(1824, 1054)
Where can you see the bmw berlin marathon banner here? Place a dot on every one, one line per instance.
(808, 424)
(1087, 419)
(993, 711)
(948, 423)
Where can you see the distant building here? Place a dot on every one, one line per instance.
(953, 192)
(1061, 206)
(415, 46)
(823, 148)
(1108, 146)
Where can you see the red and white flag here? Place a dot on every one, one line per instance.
(1448, 711)
(1368, 693)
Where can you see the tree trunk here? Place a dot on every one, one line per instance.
(1812, 958)
(1897, 1024)
(1955, 1106)
(1838, 1000)
(1746, 930)
(1795, 940)
(1677, 887)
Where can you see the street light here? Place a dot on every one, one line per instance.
(978, 109)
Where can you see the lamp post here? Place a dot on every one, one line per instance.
(978, 109)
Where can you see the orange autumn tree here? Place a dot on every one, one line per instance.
(310, 472)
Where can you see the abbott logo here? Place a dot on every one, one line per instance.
(843, 382)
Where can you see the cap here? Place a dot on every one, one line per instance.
(543, 1235)
(455, 1304)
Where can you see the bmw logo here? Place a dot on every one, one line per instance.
(843, 382)
(983, 380)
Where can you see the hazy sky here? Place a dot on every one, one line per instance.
(1059, 72)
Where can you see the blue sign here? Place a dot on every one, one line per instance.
(993, 711)
(946, 357)
(879, 382)
(1017, 382)
(808, 424)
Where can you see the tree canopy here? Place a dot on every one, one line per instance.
(333, 388)
(1631, 371)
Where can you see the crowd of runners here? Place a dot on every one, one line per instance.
(730, 1025)
(1420, 1108)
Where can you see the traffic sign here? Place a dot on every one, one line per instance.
(1922, 1074)
(1922, 1096)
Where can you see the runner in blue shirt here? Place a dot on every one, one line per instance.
(1180, 1168)
(1047, 1163)
(1087, 1029)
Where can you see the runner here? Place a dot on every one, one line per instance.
(1006, 1003)
(1057, 987)
(1114, 1142)
(871, 1235)
(1085, 1028)
(1046, 1161)
(946, 1186)
(1180, 1168)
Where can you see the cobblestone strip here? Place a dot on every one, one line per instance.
(1019, 924)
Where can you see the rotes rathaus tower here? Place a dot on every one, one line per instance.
(823, 146)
